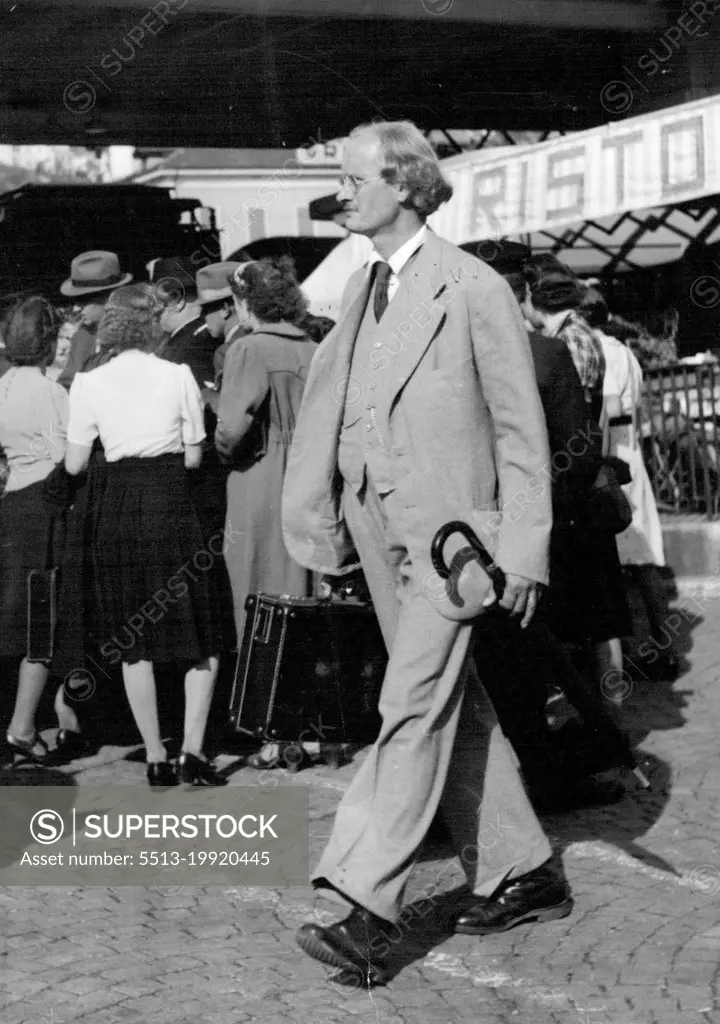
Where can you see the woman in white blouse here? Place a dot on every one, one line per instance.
(157, 599)
(33, 424)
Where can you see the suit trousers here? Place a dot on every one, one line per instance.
(440, 745)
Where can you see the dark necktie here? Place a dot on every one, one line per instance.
(380, 297)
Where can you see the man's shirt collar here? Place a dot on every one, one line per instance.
(199, 320)
(401, 256)
(555, 321)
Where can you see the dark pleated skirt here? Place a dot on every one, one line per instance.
(76, 636)
(30, 538)
(586, 598)
(156, 585)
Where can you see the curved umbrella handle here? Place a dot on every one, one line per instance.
(497, 576)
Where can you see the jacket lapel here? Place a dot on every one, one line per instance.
(332, 359)
(312, 523)
(414, 317)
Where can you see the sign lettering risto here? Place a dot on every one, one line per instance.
(666, 157)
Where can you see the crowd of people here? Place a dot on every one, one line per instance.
(147, 478)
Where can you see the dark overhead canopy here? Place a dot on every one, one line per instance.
(267, 73)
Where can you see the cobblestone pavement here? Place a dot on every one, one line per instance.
(642, 945)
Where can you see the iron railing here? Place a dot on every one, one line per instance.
(680, 436)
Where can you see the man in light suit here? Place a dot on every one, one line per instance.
(420, 406)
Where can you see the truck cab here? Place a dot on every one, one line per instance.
(43, 227)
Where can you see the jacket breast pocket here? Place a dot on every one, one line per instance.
(446, 380)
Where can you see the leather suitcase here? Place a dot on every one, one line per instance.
(308, 669)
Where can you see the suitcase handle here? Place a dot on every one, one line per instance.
(263, 624)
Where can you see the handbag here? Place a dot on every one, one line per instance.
(607, 507)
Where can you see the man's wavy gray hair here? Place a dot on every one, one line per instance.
(410, 161)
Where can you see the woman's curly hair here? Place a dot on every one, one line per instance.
(131, 320)
(410, 161)
(30, 332)
(271, 290)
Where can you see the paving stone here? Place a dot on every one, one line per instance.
(81, 986)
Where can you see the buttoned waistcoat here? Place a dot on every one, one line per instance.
(362, 446)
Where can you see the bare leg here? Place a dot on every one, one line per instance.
(199, 687)
(139, 682)
(31, 683)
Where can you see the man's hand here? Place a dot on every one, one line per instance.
(520, 598)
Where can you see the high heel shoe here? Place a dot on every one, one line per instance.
(21, 751)
(161, 774)
(193, 771)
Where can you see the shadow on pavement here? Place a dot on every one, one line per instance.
(623, 824)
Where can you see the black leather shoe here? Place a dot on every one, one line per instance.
(161, 774)
(541, 895)
(72, 745)
(33, 751)
(356, 945)
(193, 771)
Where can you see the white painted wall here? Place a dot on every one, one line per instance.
(251, 205)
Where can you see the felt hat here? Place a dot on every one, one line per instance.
(92, 272)
(174, 276)
(503, 256)
(213, 282)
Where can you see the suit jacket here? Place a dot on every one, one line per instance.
(463, 417)
(569, 429)
(82, 349)
(193, 345)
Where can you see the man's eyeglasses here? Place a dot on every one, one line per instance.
(354, 184)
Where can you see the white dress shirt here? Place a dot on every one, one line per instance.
(398, 259)
(138, 405)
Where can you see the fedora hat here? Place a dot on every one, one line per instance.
(91, 272)
(504, 256)
(174, 277)
(173, 268)
(213, 282)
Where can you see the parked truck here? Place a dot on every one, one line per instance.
(42, 227)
